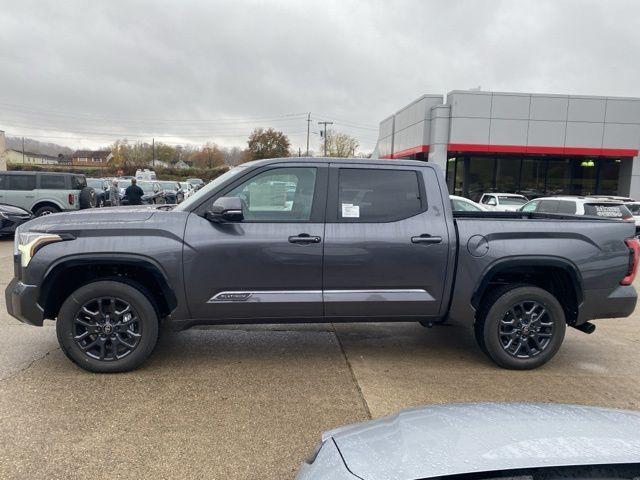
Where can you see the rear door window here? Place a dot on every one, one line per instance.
(566, 207)
(53, 182)
(21, 182)
(548, 206)
(607, 210)
(78, 182)
(380, 195)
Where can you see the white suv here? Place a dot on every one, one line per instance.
(502, 202)
(595, 207)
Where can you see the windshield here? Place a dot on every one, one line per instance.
(504, 200)
(204, 191)
(458, 205)
(169, 185)
(147, 188)
(94, 183)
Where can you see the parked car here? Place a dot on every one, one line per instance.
(197, 183)
(461, 204)
(634, 208)
(502, 202)
(11, 217)
(361, 240)
(43, 193)
(145, 174)
(588, 206)
(187, 190)
(483, 442)
(171, 191)
(101, 187)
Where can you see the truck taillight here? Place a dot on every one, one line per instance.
(71, 199)
(634, 251)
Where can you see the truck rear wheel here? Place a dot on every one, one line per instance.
(107, 326)
(520, 327)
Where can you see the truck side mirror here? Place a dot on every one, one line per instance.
(225, 209)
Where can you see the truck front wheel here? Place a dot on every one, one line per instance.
(107, 326)
(520, 327)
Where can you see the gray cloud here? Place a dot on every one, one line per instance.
(85, 70)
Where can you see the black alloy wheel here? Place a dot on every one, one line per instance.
(520, 326)
(526, 329)
(107, 328)
(108, 325)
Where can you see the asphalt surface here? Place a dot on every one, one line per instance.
(250, 403)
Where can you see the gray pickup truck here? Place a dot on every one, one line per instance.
(319, 240)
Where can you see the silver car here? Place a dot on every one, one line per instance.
(487, 440)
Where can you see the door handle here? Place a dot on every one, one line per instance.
(426, 238)
(304, 238)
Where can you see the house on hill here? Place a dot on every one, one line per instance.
(91, 157)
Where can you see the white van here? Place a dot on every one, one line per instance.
(145, 174)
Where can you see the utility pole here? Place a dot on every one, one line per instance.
(153, 152)
(308, 127)
(23, 150)
(209, 150)
(325, 135)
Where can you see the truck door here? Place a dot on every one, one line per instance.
(269, 265)
(386, 242)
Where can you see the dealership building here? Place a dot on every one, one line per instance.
(534, 144)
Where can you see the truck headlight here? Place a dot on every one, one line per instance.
(26, 244)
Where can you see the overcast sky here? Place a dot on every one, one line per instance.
(86, 73)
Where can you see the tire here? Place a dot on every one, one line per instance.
(97, 349)
(46, 210)
(520, 327)
(87, 198)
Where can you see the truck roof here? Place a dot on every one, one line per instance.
(368, 161)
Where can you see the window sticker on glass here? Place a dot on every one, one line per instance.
(350, 211)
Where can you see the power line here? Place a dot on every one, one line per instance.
(101, 117)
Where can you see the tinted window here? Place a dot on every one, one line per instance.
(566, 208)
(606, 210)
(3, 182)
(504, 200)
(378, 195)
(78, 182)
(21, 182)
(281, 194)
(548, 206)
(52, 182)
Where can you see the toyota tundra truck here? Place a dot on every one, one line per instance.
(320, 240)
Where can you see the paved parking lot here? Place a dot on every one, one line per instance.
(250, 403)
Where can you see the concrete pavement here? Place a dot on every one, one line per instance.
(250, 402)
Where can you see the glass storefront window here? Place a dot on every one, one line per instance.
(533, 176)
(458, 187)
(609, 170)
(451, 173)
(481, 175)
(558, 176)
(507, 174)
(583, 181)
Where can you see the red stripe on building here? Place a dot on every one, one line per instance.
(410, 151)
(535, 149)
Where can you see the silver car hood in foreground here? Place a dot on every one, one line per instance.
(463, 438)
